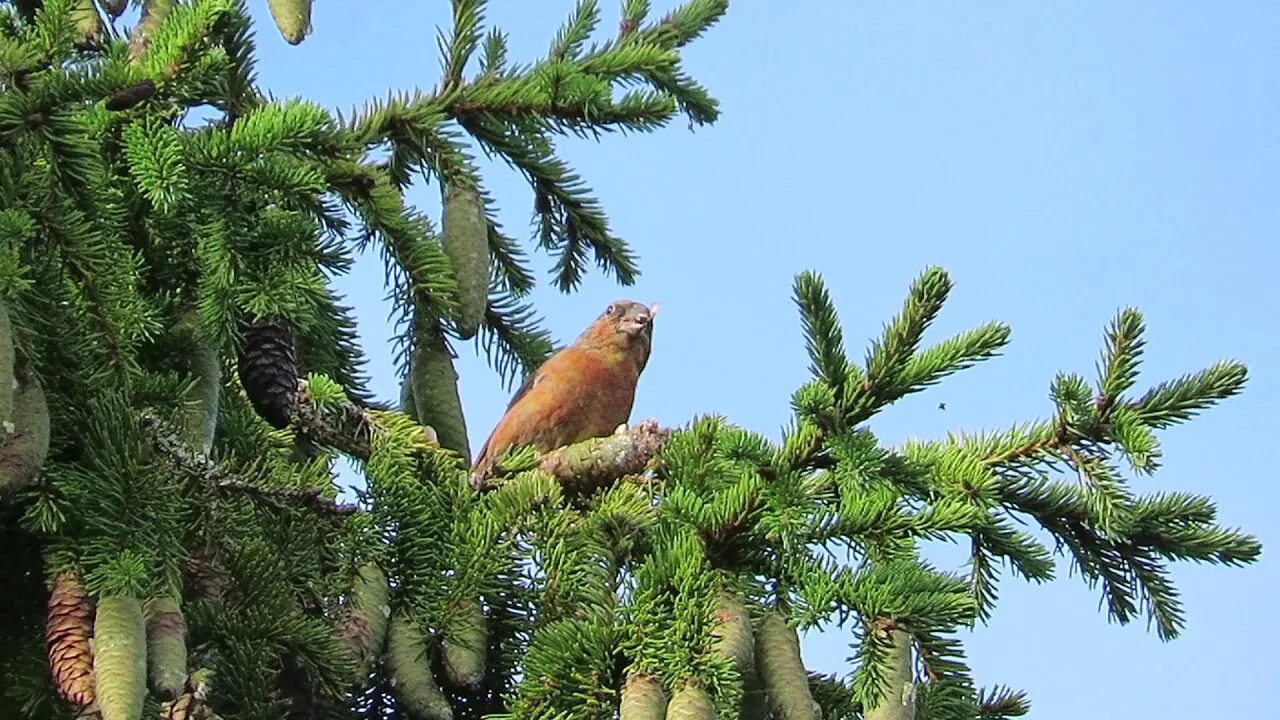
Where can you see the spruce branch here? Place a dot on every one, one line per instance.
(168, 440)
(1096, 520)
(512, 339)
(571, 222)
(511, 114)
(419, 272)
(591, 464)
(468, 16)
(1000, 702)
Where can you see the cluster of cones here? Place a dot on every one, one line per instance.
(110, 685)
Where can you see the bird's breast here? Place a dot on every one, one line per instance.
(594, 395)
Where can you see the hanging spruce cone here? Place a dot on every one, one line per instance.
(24, 441)
(466, 640)
(293, 18)
(268, 370)
(642, 698)
(364, 630)
(413, 684)
(120, 657)
(691, 702)
(166, 647)
(732, 633)
(435, 390)
(781, 670)
(732, 640)
(131, 96)
(68, 625)
(465, 239)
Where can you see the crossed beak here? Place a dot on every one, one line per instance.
(643, 323)
(646, 321)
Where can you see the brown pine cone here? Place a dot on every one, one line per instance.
(68, 627)
(131, 96)
(268, 368)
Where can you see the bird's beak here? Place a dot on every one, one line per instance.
(653, 312)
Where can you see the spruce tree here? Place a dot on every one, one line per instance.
(179, 383)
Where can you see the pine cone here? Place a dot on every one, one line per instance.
(412, 682)
(642, 698)
(120, 657)
(131, 96)
(293, 18)
(691, 702)
(68, 626)
(268, 370)
(781, 670)
(466, 639)
(364, 629)
(465, 239)
(166, 648)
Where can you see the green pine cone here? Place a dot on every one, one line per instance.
(466, 241)
(202, 414)
(895, 695)
(26, 447)
(410, 669)
(781, 669)
(120, 658)
(731, 634)
(435, 392)
(131, 96)
(465, 644)
(293, 18)
(691, 702)
(166, 648)
(7, 380)
(642, 698)
(371, 599)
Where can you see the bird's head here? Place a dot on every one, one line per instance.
(625, 325)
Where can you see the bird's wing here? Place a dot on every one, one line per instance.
(529, 382)
(526, 386)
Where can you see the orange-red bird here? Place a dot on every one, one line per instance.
(586, 390)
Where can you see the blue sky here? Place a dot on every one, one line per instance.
(1060, 160)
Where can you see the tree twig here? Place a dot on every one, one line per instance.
(594, 463)
(348, 428)
(168, 440)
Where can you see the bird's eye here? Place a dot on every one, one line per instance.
(612, 309)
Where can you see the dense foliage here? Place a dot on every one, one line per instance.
(182, 382)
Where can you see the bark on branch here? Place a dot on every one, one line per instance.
(168, 440)
(594, 463)
(347, 427)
